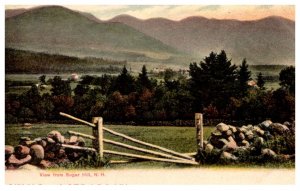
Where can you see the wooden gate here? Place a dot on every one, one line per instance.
(164, 154)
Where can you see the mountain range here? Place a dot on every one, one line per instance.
(56, 29)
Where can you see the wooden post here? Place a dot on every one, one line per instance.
(199, 130)
(98, 133)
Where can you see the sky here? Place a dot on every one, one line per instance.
(178, 12)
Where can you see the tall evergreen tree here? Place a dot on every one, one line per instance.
(260, 81)
(125, 83)
(243, 77)
(287, 78)
(212, 82)
(143, 80)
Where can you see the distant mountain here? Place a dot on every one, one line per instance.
(58, 30)
(266, 41)
(14, 12)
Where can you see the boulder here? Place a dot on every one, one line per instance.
(258, 142)
(9, 149)
(50, 156)
(21, 151)
(288, 124)
(228, 156)
(81, 142)
(268, 152)
(13, 160)
(265, 125)
(37, 153)
(61, 154)
(29, 143)
(245, 143)
(241, 136)
(73, 140)
(56, 136)
(50, 140)
(243, 129)
(209, 148)
(249, 127)
(231, 143)
(232, 128)
(222, 127)
(229, 132)
(249, 135)
(258, 131)
(279, 128)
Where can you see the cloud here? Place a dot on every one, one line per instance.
(210, 8)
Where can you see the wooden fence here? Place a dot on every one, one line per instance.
(163, 154)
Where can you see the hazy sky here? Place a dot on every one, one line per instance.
(177, 12)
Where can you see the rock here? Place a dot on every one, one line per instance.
(231, 145)
(205, 143)
(13, 160)
(222, 127)
(73, 140)
(258, 142)
(50, 156)
(279, 128)
(37, 153)
(67, 141)
(81, 142)
(229, 132)
(28, 167)
(250, 127)
(268, 152)
(232, 128)
(228, 156)
(209, 148)
(56, 136)
(243, 129)
(50, 140)
(46, 164)
(29, 143)
(224, 141)
(265, 125)
(241, 136)
(249, 135)
(9, 149)
(245, 143)
(61, 154)
(288, 124)
(21, 151)
(41, 141)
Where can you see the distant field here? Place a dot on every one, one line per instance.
(270, 72)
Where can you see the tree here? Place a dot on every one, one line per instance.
(42, 79)
(287, 78)
(60, 87)
(260, 81)
(143, 80)
(243, 77)
(212, 81)
(125, 82)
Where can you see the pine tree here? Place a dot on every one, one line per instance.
(125, 83)
(243, 77)
(260, 81)
(143, 80)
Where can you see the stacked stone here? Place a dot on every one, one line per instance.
(226, 138)
(43, 152)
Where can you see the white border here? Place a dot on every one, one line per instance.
(144, 2)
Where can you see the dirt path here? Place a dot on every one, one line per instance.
(212, 176)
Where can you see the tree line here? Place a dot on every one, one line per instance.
(215, 87)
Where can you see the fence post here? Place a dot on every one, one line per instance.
(199, 130)
(98, 133)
